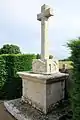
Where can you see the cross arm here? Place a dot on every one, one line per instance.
(39, 17)
(48, 12)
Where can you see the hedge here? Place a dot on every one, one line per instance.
(75, 92)
(10, 82)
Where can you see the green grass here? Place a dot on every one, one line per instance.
(67, 63)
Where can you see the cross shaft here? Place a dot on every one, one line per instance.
(46, 12)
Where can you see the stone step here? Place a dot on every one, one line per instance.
(23, 111)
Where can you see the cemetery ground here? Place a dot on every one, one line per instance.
(4, 115)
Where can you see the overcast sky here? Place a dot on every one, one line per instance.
(19, 25)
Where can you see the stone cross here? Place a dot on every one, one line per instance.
(44, 65)
(46, 12)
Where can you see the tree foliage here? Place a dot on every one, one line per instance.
(10, 82)
(74, 46)
(50, 56)
(10, 49)
(38, 56)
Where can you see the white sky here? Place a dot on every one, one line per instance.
(19, 25)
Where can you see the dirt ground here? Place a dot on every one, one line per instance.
(4, 115)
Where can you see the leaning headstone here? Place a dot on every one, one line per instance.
(44, 87)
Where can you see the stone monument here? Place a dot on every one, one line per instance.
(45, 85)
(45, 65)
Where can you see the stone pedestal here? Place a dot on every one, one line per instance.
(48, 66)
(43, 91)
(42, 88)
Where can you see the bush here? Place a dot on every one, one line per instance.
(38, 56)
(10, 49)
(74, 45)
(10, 82)
(2, 74)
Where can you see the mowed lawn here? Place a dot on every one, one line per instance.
(67, 63)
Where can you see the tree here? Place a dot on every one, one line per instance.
(38, 56)
(10, 49)
(74, 46)
(50, 57)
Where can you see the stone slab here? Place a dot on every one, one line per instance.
(23, 111)
(45, 78)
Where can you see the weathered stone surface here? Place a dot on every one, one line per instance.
(46, 12)
(47, 66)
(43, 91)
(38, 66)
(23, 111)
(43, 78)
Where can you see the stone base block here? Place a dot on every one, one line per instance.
(48, 66)
(23, 111)
(43, 91)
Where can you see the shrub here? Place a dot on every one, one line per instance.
(10, 82)
(38, 56)
(74, 45)
(2, 74)
(10, 49)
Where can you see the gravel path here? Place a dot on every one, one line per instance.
(4, 115)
